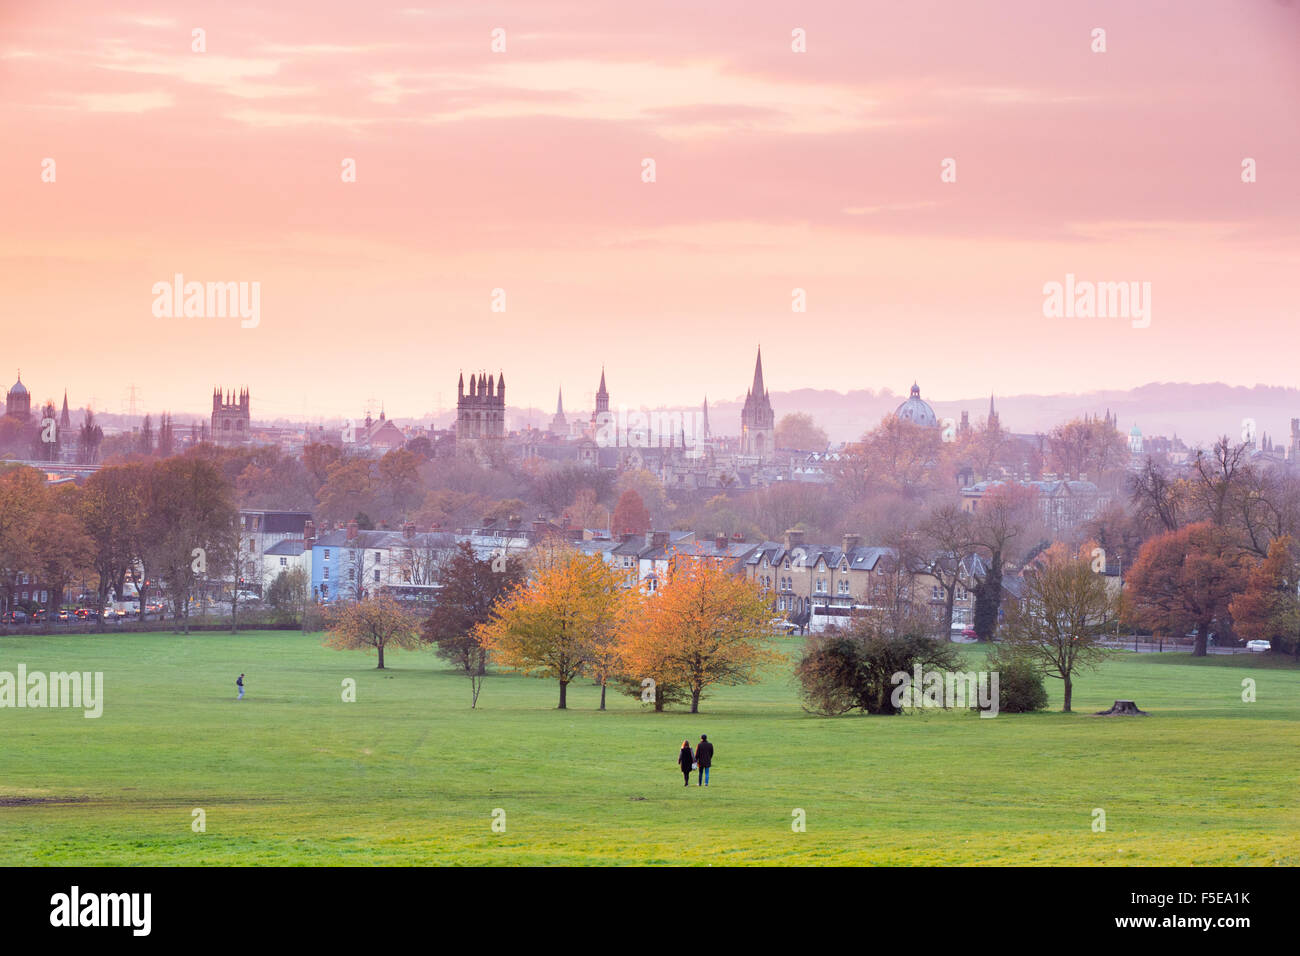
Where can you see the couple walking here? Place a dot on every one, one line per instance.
(702, 759)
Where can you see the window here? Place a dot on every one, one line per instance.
(284, 562)
(327, 554)
(379, 556)
(376, 574)
(934, 592)
(327, 574)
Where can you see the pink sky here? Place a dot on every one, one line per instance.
(522, 170)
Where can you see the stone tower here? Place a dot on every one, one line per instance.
(231, 424)
(18, 403)
(559, 424)
(481, 411)
(600, 417)
(757, 420)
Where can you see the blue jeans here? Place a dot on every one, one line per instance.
(703, 778)
(241, 693)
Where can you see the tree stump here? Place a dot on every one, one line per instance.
(1122, 708)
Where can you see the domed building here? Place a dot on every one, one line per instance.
(916, 410)
(18, 404)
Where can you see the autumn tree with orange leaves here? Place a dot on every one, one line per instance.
(1269, 609)
(560, 623)
(703, 626)
(1184, 580)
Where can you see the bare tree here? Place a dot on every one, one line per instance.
(1157, 498)
(1059, 625)
(940, 547)
(1216, 479)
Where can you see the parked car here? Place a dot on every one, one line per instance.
(1259, 647)
(63, 617)
(39, 615)
(969, 635)
(16, 616)
(83, 613)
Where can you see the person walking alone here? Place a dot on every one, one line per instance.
(686, 760)
(239, 682)
(704, 759)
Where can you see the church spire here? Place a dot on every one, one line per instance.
(757, 389)
(602, 397)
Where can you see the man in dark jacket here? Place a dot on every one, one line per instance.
(703, 757)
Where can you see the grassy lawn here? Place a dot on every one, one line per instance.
(408, 774)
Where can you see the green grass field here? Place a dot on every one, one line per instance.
(408, 774)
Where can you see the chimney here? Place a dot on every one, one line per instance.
(738, 536)
(352, 531)
(720, 541)
(793, 538)
(308, 534)
(408, 530)
(658, 539)
(851, 541)
(626, 536)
